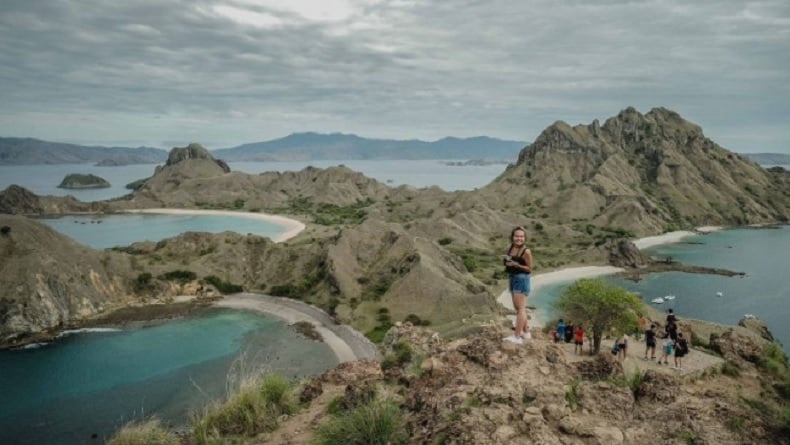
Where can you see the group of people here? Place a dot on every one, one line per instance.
(567, 333)
(674, 344)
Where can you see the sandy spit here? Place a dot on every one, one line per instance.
(347, 344)
(292, 227)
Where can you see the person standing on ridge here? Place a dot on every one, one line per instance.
(518, 265)
(578, 339)
(560, 331)
(650, 342)
(568, 331)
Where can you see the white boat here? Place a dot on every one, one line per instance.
(658, 300)
(719, 294)
(669, 297)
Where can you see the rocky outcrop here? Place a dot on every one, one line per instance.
(193, 152)
(757, 326)
(481, 390)
(624, 253)
(19, 200)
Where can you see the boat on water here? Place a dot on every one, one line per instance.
(669, 297)
(719, 294)
(658, 300)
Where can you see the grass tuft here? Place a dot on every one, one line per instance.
(252, 410)
(374, 423)
(149, 432)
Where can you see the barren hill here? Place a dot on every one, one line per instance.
(48, 280)
(642, 173)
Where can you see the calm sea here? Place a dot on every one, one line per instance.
(92, 383)
(44, 179)
(762, 254)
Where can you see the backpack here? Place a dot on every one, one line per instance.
(683, 346)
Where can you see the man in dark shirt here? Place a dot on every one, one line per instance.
(650, 342)
(671, 317)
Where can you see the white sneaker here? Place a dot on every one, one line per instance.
(526, 335)
(514, 339)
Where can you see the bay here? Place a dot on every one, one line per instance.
(105, 231)
(763, 255)
(92, 383)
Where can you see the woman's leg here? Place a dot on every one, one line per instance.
(520, 304)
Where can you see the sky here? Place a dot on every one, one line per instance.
(164, 73)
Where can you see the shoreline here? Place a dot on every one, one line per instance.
(292, 227)
(347, 343)
(568, 274)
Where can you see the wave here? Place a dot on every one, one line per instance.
(87, 330)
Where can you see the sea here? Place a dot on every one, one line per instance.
(81, 388)
(762, 254)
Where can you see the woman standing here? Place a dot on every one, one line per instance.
(518, 265)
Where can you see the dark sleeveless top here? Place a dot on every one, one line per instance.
(518, 259)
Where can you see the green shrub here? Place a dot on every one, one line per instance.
(374, 423)
(470, 264)
(144, 433)
(252, 410)
(143, 281)
(571, 395)
(180, 276)
(730, 369)
(223, 286)
(416, 320)
(445, 241)
(376, 335)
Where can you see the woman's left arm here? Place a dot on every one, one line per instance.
(528, 259)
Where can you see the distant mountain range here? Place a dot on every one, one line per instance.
(25, 151)
(338, 146)
(295, 147)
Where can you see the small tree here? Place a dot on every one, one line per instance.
(599, 306)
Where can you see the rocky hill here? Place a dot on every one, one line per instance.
(48, 280)
(641, 173)
(19, 151)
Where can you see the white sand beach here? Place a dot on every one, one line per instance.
(347, 344)
(292, 227)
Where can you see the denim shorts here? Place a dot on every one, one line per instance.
(519, 283)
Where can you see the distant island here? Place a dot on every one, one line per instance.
(78, 181)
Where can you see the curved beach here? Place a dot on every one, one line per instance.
(292, 227)
(347, 344)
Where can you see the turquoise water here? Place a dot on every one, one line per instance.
(763, 255)
(122, 230)
(93, 383)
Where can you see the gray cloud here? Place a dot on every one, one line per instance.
(223, 73)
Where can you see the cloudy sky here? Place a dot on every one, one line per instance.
(164, 73)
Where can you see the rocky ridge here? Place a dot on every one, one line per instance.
(481, 390)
